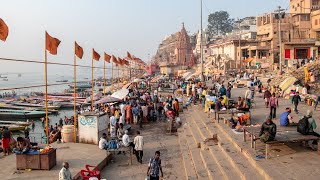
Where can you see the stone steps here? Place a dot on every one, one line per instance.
(212, 168)
(239, 162)
(188, 166)
(194, 150)
(212, 153)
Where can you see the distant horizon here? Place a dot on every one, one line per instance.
(114, 27)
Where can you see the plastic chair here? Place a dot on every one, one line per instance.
(85, 174)
(93, 171)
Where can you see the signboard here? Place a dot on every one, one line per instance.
(91, 128)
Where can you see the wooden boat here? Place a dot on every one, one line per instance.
(68, 104)
(18, 123)
(81, 86)
(36, 105)
(8, 106)
(62, 81)
(20, 114)
(14, 127)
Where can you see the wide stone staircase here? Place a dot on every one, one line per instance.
(208, 152)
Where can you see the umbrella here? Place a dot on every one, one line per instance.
(108, 99)
(121, 94)
(137, 80)
(126, 86)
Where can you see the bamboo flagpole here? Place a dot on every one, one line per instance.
(104, 79)
(118, 76)
(75, 99)
(46, 90)
(51, 45)
(92, 87)
(112, 76)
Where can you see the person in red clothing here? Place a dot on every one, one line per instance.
(176, 107)
(6, 141)
(129, 117)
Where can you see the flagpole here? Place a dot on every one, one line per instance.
(118, 76)
(104, 81)
(75, 99)
(92, 88)
(46, 90)
(123, 72)
(112, 75)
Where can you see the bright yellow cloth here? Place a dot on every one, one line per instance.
(204, 92)
(225, 100)
(188, 90)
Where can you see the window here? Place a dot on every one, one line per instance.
(305, 17)
(316, 22)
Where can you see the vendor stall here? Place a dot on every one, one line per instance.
(43, 160)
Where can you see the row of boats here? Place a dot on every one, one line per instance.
(34, 107)
(15, 125)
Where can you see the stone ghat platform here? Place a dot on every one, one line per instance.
(77, 154)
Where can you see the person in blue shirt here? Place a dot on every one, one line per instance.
(135, 113)
(285, 118)
(223, 91)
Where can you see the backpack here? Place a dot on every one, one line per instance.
(113, 144)
(303, 126)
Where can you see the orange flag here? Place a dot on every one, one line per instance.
(129, 55)
(52, 44)
(78, 51)
(4, 30)
(107, 57)
(114, 59)
(120, 61)
(95, 55)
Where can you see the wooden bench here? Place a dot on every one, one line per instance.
(255, 131)
(121, 149)
(284, 135)
(229, 112)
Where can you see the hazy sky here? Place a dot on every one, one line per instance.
(113, 26)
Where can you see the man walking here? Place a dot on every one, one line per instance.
(138, 146)
(295, 100)
(65, 173)
(273, 106)
(154, 167)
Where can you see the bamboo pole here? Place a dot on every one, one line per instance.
(46, 90)
(92, 87)
(104, 79)
(123, 73)
(75, 99)
(112, 76)
(118, 76)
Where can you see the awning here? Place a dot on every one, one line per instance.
(108, 99)
(126, 86)
(186, 74)
(120, 94)
(248, 60)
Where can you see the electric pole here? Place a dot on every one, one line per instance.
(280, 14)
(201, 46)
(240, 63)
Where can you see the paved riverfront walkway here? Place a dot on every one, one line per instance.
(78, 155)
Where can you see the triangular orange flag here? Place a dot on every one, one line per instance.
(129, 55)
(4, 30)
(120, 61)
(107, 57)
(52, 44)
(95, 55)
(78, 51)
(114, 59)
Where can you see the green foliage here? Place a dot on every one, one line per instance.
(219, 23)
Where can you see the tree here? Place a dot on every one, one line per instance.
(219, 23)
